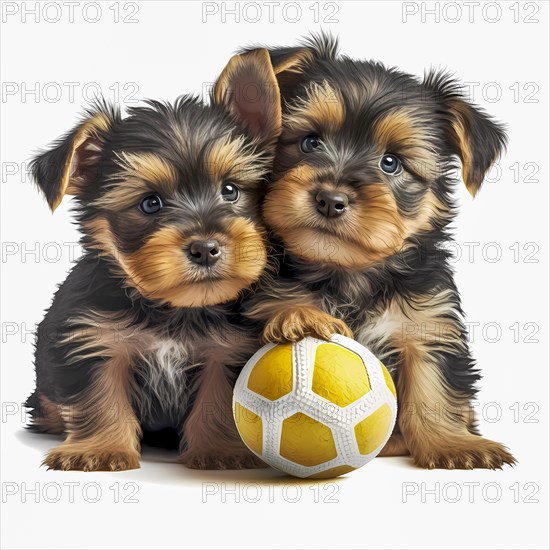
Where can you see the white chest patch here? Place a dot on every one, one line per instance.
(163, 379)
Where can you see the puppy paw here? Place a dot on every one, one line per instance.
(218, 461)
(294, 324)
(69, 457)
(465, 454)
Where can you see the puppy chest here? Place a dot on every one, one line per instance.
(162, 377)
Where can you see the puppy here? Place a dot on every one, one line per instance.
(361, 200)
(146, 332)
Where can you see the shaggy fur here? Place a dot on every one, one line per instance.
(146, 333)
(365, 245)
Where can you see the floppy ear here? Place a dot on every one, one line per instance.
(72, 162)
(249, 89)
(474, 136)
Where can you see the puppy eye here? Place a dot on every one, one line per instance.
(310, 143)
(151, 204)
(230, 192)
(390, 164)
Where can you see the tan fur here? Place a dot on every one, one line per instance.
(211, 428)
(431, 415)
(287, 196)
(416, 323)
(461, 134)
(462, 138)
(343, 242)
(323, 107)
(89, 129)
(293, 298)
(290, 314)
(160, 269)
(295, 322)
(376, 226)
(229, 159)
(294, 63)
(395, 446)
(142, 174)
(248, 258)
(238, 79)
(435, 434)
(103, 432)
(112, 435)
(50, 419)
(403, 130)
(149, 168)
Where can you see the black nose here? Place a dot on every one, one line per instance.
(331, 203)
(204, 252)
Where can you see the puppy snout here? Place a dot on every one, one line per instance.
(204, 253)
(331, 203)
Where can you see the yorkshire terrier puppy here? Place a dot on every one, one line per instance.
(146, 332)
(361, 199)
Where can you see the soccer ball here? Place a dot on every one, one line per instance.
(315, 409)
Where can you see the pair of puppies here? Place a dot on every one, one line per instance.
(169, 201)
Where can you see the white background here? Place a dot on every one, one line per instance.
(173, 48)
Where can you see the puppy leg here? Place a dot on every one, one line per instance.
(46, 416)
(103, 433)
(424, 339)
(210, 438)
(433, 420)
(290, 313)
(435, 383)
(395, 446)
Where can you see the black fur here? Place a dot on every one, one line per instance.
(117, 312)
(446, 126)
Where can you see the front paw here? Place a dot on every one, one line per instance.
(463, 453)
(294, 324)
(212, 460)
(71, 457)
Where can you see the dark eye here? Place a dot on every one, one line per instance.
(151, 204)
(230, 192)
(310, 143)
(390, 164)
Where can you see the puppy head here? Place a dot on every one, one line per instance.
(171, 194)
(364, 159)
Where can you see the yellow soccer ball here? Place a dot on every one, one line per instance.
(314, 408)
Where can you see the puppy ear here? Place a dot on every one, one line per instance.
(474, 136)
(72, 162)
(289, 64)
(249, 89)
